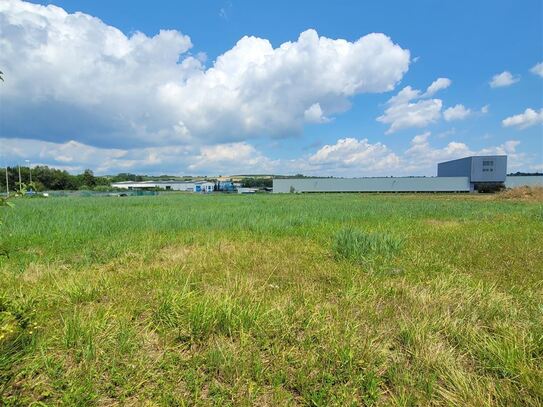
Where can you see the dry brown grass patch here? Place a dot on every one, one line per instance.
(524, 193)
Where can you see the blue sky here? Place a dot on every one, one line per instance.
(106, 89)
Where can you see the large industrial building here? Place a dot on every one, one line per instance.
(467, 174)
(390, 184)
(479, 169)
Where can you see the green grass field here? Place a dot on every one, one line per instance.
(341, 299)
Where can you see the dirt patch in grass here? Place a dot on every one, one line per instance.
(534, 194)
(152, 346)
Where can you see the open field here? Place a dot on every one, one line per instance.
(345, 299)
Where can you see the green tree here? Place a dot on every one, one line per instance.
(88, 178)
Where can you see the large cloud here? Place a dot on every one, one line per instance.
(230, 158)
(78, 78)
(354, 154)
(255, 89)
(413, 108)
(528, 118)
(72, 76)
(74, 156)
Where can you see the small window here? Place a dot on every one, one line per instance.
(488, 163)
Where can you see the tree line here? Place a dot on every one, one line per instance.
(53, 179)
(45, 178)
(257, 183)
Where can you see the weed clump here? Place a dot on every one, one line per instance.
(359, 246)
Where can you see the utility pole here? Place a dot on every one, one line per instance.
(20, 182)
(29, 169)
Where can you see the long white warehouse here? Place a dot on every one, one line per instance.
(468, 174)
(392, 184)
(188, 186)
(512, 181)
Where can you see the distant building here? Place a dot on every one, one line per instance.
(480, 170)
(513, 181)
(380, 184)
(464, 175)
(187, 186)
(242, 190)
(225, 185)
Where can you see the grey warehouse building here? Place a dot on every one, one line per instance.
(464, 175)
(481, 170)
(390, 184)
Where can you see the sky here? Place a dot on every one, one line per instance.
(335, 88)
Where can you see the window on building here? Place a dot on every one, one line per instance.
(488, 163)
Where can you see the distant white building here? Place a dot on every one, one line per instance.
(187, 186)
(379, 184)
(242, 190)
(513, 181)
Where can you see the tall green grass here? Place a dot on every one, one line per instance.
(359, 246)
(260, 300)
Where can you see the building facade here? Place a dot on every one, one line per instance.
(481, 170)
(391, 184)
(513, 181)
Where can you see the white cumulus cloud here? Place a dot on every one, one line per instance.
(437, 85)
(528, 118)
(351, 152)
(458, 112)
(537, 69)
(407, 109)
(79, 78)
(422, 155)
(231, 158)
(503, 79)
(255, 88)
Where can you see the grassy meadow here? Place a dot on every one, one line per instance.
(339, 299)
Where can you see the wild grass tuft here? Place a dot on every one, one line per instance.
(359, 246)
